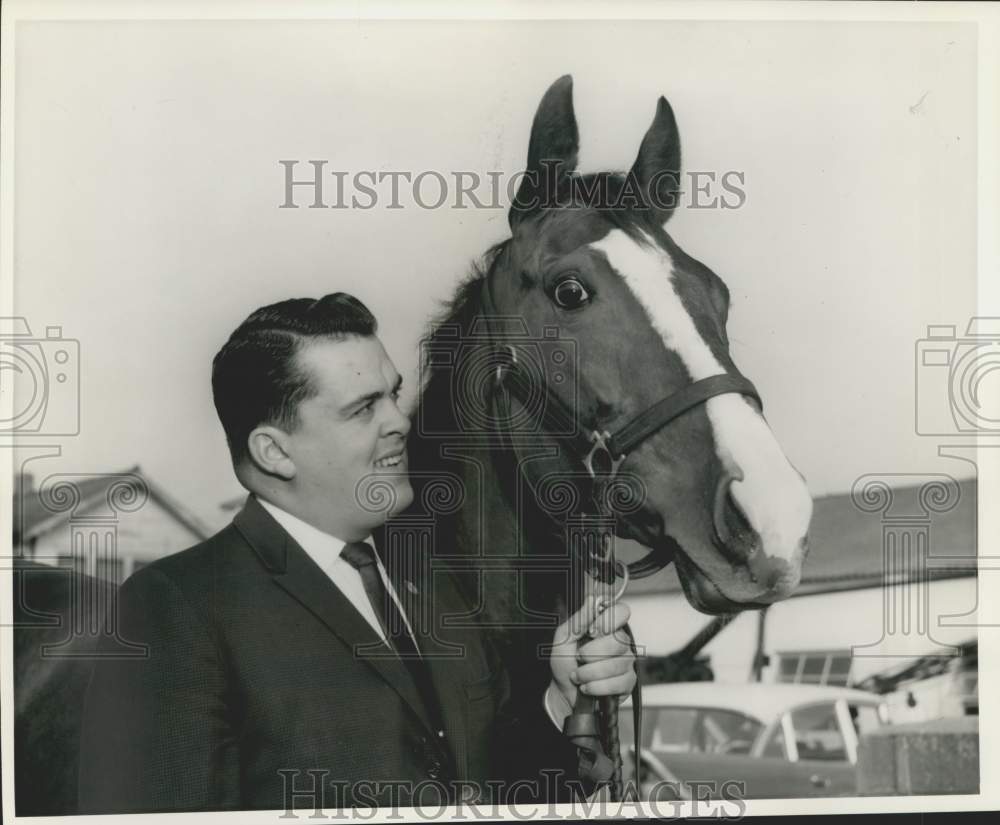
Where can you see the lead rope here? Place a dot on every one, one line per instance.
(593, 726)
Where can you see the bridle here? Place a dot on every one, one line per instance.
(602, 453)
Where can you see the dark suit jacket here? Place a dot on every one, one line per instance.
(253, 679)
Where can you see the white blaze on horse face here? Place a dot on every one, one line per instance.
(771, 495)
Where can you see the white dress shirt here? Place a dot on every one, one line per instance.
(325, 549)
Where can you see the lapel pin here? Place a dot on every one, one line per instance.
(412, 588)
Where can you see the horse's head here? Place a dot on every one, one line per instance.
(589, 255)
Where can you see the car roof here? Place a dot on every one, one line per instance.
(764, 700)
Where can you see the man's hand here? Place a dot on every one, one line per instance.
(591, 652)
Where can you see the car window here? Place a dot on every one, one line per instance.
(673, 729)
(703, 730)
(865, 718)
(723, 731)
(817, 733)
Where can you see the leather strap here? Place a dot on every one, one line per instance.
(561, 420)
(557, 418)
(601, 452)
(582, 729)
(627, 438)
(637, 717)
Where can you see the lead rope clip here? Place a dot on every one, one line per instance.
(599, 441)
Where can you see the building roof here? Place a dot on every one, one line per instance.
(765, 701)
(846, 543)
(34, 517)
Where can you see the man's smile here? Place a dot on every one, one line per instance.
(391, 459)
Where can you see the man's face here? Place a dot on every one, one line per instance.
(349, 430)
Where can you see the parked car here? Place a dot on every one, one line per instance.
(780, 740)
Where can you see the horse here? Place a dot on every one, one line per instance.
(589, 346)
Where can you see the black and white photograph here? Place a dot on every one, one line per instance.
(498, 410)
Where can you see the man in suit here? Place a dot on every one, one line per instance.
(286, 668)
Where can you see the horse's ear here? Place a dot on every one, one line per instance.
(657, 170)
(552, 150)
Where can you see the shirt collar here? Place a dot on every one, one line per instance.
(311, 539)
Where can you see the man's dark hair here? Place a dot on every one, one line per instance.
(255, 376)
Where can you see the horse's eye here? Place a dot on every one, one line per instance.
(570, 294)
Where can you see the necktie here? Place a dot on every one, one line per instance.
(361, 556)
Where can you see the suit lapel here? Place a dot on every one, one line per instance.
(295, 572)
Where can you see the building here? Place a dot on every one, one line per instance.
(107, 525)
(887, 583)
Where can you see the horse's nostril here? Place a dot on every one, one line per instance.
(719, 512)
(733, 532)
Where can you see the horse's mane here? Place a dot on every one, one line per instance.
(460, 311)
(436, 408)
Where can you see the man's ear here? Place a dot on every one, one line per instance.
(267, 446)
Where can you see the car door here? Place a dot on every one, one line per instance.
(706, 748)
(804, 754)
(822, 754)
(776, 774)
(668, 739)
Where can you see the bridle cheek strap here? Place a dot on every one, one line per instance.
(558, 418)
(602, 451)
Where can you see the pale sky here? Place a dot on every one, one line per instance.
(148, 183)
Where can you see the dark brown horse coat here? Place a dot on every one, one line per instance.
(252, 682)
